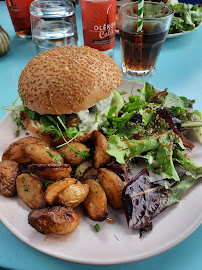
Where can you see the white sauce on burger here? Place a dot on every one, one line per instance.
(94, 116)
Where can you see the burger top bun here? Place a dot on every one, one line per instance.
(68, 79)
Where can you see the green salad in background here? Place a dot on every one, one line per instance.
(186, 17)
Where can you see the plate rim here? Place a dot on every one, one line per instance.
(172, 244)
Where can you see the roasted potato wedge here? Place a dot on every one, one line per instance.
(101, 157)
(73, 195)
(53, 190)
(112, 185)
(16, 151)
(73, 157)
(9, 170)
(95, 205)
(50, 171)
(81, 168)
(90, 173)
(55, 220)
(41, 154)
(30, 190)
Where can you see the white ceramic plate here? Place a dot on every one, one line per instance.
(114, 243)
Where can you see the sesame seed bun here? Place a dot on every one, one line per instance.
(68, 79)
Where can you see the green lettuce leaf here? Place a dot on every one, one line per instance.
(165, 161)
(146, 116)
(118, 149)
(129, 130)
(185, 162)
(138, 147)
(147, 92)
(33, 115)
(136, 102)
(176, 104)
(16, 108)
(117, 101)
(179, 189)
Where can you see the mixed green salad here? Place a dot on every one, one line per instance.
(186, 17)
(149, 129)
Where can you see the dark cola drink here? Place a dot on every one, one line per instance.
(140, 50)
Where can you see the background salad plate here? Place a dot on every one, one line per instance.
(182, 33)
(173, 35)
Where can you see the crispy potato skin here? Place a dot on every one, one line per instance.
(30, 190)
(55, 220)
(95, 205)
(73, 195)
(90, 173)
(53, 190)
(40, 154)
(112, 185)
(16, 151)
(50, 171)
(9, 170)
(101, 157)
(70, 156)
(82, 167)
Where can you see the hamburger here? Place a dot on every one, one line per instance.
(67, 91)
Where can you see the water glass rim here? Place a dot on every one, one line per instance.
(147, 3)
(36, 6)
(36, 2)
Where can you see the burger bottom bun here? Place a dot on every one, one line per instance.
(35, 128)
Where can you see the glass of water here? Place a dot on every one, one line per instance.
(53, 24)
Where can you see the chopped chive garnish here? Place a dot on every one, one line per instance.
(52, 155)
(26, 189)
(23, 179)
(46, 184)
(57, 159)
(97, 180)
(97, 227)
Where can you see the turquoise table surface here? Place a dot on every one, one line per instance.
(179, 69)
